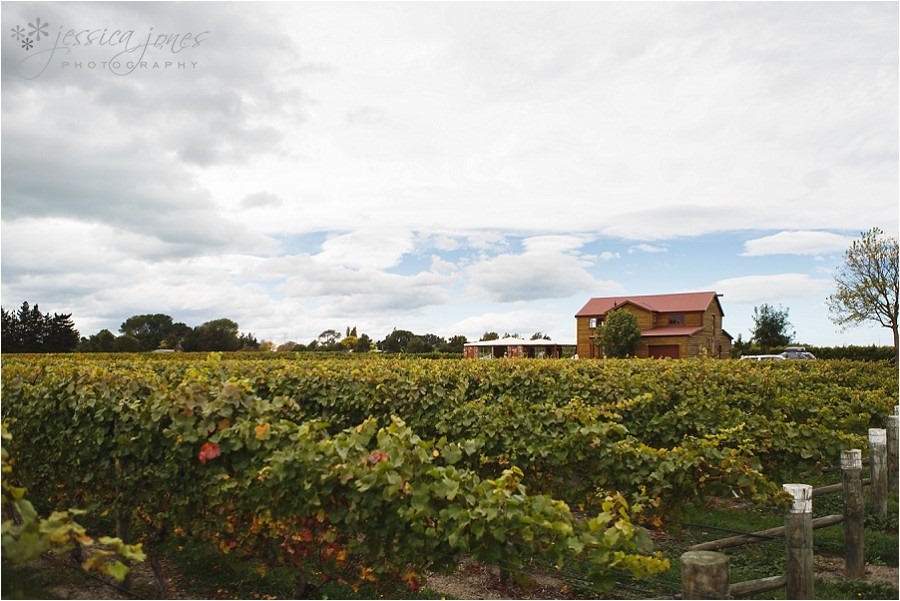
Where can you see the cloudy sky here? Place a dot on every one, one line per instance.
(441, 167)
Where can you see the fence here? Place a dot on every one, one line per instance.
(705, 572)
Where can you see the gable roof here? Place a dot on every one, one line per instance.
(659, 303)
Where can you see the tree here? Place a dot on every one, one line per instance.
(866, 284)
(491, 336)
(150, 330)
(396, 341)
(215, 335)
(103, 341)
(540, 336)
(455, 344)
(619, 333)
(363, 344)
(771, 327)
(739, 346)
(417, 345)
(29, 331)
(248, 342)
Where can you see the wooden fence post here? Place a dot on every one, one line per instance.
(878, 465)
(892, 447)
(704, 575)
(854, 515)
(798, 537)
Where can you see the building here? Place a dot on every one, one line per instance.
(514, 347)
(672, 325)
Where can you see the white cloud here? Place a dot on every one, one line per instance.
(771, 288)
(797, 243)
(648, 248)
(370, 249)
(556, 243)
(531, 276)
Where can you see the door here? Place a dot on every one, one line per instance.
(664, 350)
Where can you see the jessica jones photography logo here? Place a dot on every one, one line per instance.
(118, 51)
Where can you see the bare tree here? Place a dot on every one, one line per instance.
(866, 284)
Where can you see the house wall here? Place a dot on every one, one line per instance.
(583, 344)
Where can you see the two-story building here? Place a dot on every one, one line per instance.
(672, 325)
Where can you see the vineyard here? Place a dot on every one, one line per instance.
(372, 471)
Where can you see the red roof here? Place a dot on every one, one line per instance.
(659, 303)
(670, 331)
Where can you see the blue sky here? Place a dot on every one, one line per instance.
(449, 168)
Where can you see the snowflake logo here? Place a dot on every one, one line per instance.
(27, 44)
(17, 33)
(38, 29)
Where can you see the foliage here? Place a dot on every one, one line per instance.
(618, 334)
(29, 331)
(866, 285)
(27, 535)
(396, 341)
(154, 331)
(215, 335)
(368, 471)
(771, 327)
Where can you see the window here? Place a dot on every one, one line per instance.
(592, 323)
(676, 319)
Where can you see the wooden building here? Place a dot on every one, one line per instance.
(672, 325)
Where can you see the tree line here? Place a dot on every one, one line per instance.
(30, 331)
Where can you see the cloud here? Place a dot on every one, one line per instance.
(532, 276)
(367, 115)
(261, 200)
(555, 243)
(648, 248)
(367, 249)
(796, 243)
(771, 288)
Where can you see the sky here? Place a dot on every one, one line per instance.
(446, 168)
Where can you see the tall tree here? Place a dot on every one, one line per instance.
(619, 333)
(30, 331)
(771, 327)
(866, 287)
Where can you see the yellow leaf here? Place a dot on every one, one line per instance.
(262, 432)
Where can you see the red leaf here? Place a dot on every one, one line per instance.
(208, 451)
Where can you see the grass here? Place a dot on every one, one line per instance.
(28, 582)
(764, 559)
